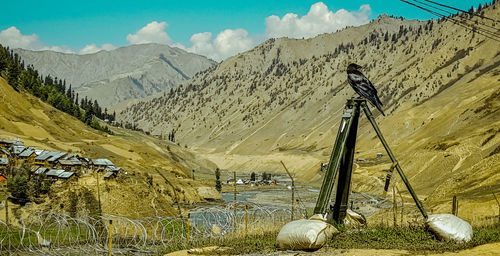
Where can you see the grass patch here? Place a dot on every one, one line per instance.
(413, 239)
(409, 238)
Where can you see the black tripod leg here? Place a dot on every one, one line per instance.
(369, 115)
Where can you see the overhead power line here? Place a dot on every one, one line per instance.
(450, 14)
(482, 31)
(456, 9)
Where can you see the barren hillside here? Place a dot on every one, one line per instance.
(283, 100)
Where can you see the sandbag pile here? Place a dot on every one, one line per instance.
(449, 227)
(310, 234)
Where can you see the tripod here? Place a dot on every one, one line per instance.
(341, 161)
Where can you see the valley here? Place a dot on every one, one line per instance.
(190, 153)
(283, 99)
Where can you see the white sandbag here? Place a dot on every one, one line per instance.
(450, 227)
(308, 234)
(354, 219)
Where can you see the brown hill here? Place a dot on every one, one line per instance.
(283, 99)
(135, 194)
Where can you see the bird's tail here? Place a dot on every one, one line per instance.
(378, 105)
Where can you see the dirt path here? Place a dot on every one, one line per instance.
(486, 249)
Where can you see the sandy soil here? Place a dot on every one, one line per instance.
(486, 249)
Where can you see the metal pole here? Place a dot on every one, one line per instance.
(334, 164)
(454, 206)
(98, 194)
(235, 198)
(369, 115)
(234, 185)
(246, 220)
(293, 190)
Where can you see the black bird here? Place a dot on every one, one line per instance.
(363, 86)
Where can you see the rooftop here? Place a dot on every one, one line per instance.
(40, 170)
(56, 156)
(113, 169)
(109, 174)
(4, 161)
(50, 156)
(72, 161)
(54, 172)
(17, 149)
(27, 152)
(7, 141)
(66, 175)
(102, 162)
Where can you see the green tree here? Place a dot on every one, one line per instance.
(18, 185)
(252, 176)
(13, 71)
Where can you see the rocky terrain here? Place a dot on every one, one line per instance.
(283, 100)
(111, 77)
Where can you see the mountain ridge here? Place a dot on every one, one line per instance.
(282, 100)
(111, 77)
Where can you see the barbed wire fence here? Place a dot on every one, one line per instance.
(60, 234)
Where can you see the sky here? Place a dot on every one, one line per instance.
(216, 29)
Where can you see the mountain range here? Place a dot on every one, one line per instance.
(111, 77)
(283, 100)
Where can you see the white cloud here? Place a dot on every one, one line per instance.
(153, 32)
(317, 21)
(93, 48)
(227, 43)
(13, 38)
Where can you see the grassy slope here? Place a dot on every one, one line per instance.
(38, 124)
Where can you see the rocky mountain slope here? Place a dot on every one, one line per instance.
(139, 193)
(283, 100)
(130, 72)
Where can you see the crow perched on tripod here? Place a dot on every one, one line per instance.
(363, 86)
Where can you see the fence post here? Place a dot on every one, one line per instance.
(498, 203)
(394, 206)
(293, 190)
(402, 203)
(7, 211)
(235, 198)
(188, 231)
(6, 189)
(454, 206)
(246, 220)
(110, 238)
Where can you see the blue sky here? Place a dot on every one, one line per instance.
(73, 25)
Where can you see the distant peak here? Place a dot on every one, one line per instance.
(383, 16)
